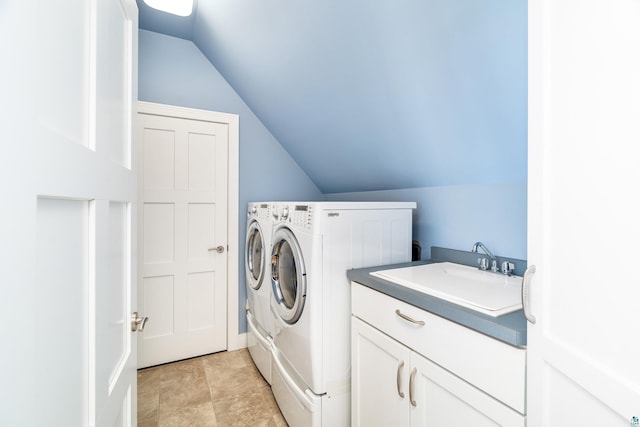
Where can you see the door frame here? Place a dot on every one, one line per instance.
(235, 340)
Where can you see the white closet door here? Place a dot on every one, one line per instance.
(584, 128)
(183, 288)
(68, 218)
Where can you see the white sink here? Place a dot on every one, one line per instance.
(483, 291)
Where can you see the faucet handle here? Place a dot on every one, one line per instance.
(483, 264)
(508, 267)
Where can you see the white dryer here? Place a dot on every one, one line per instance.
(258, 284)
(313, 245)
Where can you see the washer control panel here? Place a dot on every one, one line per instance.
(299, 216)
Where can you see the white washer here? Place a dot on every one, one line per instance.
(313, 245)
(257, 271)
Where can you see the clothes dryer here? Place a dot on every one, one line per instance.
(313, 245)
(257, 265)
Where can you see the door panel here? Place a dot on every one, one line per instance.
(62, 289)
(200, 292)
(112, 291)
(202, 165)
(115, 314)
(159, 158)
(184, 202)
(158, 293)
(113, 85)
(158, 235)
(201, 233)
(583, 223)
(63, 29)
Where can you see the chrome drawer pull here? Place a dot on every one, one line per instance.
(412, 383)
(409, 319)
(398, 377)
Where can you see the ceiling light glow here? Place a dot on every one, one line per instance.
(175, 7)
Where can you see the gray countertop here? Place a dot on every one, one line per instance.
(510, 328)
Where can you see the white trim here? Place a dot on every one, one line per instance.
(240, 341)
(235, 340)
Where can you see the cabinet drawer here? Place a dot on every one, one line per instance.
(494, 367)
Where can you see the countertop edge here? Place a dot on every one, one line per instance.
(510, 328)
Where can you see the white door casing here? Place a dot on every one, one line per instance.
(583, 233)
(68, 235)
(186, 170)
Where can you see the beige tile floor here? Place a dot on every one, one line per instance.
(221, 389)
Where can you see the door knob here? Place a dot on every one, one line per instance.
(138, 323)
(219, 249)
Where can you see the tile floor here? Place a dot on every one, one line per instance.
(221, 389)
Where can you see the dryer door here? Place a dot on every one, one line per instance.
(255, 255)
(288, 276)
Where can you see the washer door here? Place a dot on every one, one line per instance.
(288, 277)
(255, 255)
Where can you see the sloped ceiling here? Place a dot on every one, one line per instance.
(376, 95)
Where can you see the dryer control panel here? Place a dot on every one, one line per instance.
(258, 210)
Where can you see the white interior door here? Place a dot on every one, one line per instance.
(584, 127)
(70, 216)
(184, 239)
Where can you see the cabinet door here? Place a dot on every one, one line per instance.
(583, 232)
(440, 399)
(380, 378)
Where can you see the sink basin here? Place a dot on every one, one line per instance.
(483, 291)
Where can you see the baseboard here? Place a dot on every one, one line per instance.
(237, 342)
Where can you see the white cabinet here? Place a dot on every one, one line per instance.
(406, 373)
(380, 378)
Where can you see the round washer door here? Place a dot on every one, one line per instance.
(255, 255)
(288, 277)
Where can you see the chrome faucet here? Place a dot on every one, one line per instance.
(483, 263)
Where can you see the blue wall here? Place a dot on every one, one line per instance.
(380, 95)
(457, 216)
(173, 71)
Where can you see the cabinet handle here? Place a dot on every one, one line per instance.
(526, 281)
(412, 383)
(409, 319)
(398, 378)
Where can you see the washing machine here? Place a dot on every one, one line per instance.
(313, 245)
(258, 284)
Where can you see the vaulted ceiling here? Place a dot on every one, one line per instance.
(375, 95)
